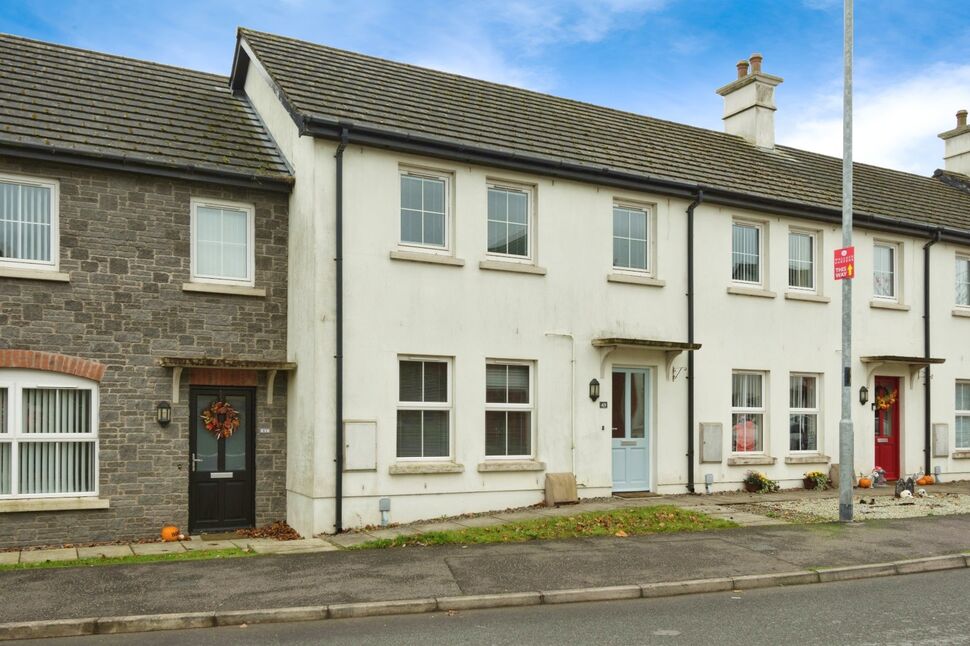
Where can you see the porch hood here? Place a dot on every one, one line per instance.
(671, 349)
(177, 364)
(913, 364)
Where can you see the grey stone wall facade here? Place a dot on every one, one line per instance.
(125, 242)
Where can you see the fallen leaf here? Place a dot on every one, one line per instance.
(621, 534)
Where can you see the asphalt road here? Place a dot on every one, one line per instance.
(915, 609)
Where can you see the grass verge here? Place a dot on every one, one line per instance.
(130, 560)
(618, 522)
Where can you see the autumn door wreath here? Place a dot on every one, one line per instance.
(220, 419)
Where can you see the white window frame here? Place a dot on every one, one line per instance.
(427, 406)
(531, 216)
(815, 236)
(250, 211)
(15, 381)
(530, 407)
(959, 413)
(896, 248)
(816, 411)
(965, 259)
(55, 188)
(762, 228)
(651, 213)
(448, 179)
(743, 410)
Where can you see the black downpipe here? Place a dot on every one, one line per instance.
(927, 384)
(339, 356)
(690, 339)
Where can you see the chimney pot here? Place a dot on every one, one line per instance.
(756, 63)
(742, 69)
(961, 118)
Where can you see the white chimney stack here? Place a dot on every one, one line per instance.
(749, 103)
(956, 155)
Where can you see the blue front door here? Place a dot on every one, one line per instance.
(631, 430)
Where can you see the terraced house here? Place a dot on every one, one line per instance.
(488, 285)
(143, 237)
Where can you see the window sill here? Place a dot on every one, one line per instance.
(430, 258)
(749, 460)
(232, 290)
(492, 466)
(961, 312)
(750, 291)
(888, 305)
(424, 468)
(515, 267)
(962, 454)
(808, 298)
(629, 279)
(35, 274)
(53, 504)
(808, 458)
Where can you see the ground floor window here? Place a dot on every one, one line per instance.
(963, 415)
(747, 412)
(803, 413)
(48, 435)
(424, 408)
(508, 409)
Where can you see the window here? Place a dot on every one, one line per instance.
(423, 409)
(508, 410)
(508, 221)
(424, 220)
(963, 281)
(803, 413)
(28, 223)
(631, 238)
(963, 415)
(801, 261)
(747, 412)
(222, 242)
(884, 281)
(746, 253)
(48, 435)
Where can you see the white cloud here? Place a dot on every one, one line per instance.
(895, 123)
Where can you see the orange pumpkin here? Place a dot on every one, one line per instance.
(170, 533)
(921, 481)
(865, 483)
(929, 479)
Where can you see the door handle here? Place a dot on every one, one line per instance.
(194, 460)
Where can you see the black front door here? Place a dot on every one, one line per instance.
(222, 470)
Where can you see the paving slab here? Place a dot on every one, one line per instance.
(9, 558)
(39, 556)
(104, 551)
(389, 533)
(445, 526)
(157, 548)
(208, 546)
(349, 540)
(479, 521)
(516, 516)
(291, 547)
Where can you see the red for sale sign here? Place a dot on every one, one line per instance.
(844, 263)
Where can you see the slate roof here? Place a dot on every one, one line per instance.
(91, 105)
(324, 82)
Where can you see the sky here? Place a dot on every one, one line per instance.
(662, 58)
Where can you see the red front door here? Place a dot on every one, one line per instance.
(887, 425)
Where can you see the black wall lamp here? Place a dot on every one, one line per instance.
(163, 413)
(594, 390)
(863, 395)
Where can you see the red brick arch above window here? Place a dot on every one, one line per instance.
(52, 362)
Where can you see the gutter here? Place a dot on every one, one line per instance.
(339, 354)
(109, 161)
(690, 339)
(927, 384)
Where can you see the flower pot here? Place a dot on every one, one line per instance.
(752, 488)
(809, 483)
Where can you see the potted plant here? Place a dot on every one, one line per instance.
(757, 482)
(816, 480)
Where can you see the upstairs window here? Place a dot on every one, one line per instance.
(746, 253)
(28, 223)
(884, 271)
(424, 217)
(963, 281)
(223, 242)
(631, 238)
(509, 221)
(801, 261)
(48, 435)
